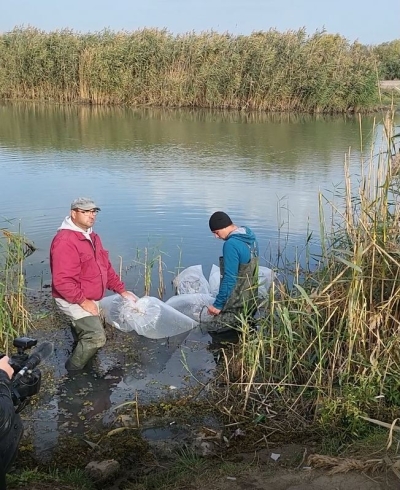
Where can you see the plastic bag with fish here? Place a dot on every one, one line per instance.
(193, 305)
(148, 316)
(191, 280)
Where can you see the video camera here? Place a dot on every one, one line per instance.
(26, 379)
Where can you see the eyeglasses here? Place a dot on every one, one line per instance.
(90, 211)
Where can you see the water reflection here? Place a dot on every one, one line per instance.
(255, 140)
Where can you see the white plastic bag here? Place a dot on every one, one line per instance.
(265, 279)
(193, 305)
(111, 309)
(214, 280)
(149, 317)
(191, 280)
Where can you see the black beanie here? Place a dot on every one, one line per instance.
(219, 220)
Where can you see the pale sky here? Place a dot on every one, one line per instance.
(368, 21)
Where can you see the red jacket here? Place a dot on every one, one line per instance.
(79, 269)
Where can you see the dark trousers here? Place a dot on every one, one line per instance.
(90, 336)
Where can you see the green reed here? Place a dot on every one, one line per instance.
(149, 269)
(14, 318)
(329, 344)
(266, 71)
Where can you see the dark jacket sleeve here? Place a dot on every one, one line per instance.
(7, 410)
(11, 428)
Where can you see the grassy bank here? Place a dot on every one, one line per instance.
(327, 354)
(265, 71)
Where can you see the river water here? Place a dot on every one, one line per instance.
(158, 175)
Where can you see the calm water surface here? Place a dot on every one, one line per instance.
(158, 175)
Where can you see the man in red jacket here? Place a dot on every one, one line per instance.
(81, 274)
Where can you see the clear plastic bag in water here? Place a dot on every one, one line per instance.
(193, 305)
(214, 280)
(148, 316)
(191, 280)
(111, 308)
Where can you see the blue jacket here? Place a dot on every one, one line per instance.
(236, 250)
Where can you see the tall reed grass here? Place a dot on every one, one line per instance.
(272, 71)
(14, 317)
(328, 349)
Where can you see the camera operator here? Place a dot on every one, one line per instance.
(10, 423)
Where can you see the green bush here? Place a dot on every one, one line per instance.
(388, 56)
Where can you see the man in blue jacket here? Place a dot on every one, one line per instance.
(236, 301)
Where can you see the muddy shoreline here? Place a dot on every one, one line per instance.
(130, 374)
(152, 407)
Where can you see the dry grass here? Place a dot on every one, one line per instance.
(344, 465)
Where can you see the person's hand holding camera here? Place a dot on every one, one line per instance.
(5, 366)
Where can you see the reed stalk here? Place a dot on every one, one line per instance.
(161, 285)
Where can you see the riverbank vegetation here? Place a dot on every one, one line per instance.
(14, 317)
(326, 356)
(388, 59)
(265, 71)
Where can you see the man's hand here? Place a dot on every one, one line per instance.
(129, 295)
(4, 366)
(90, 306)
(213, 311)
